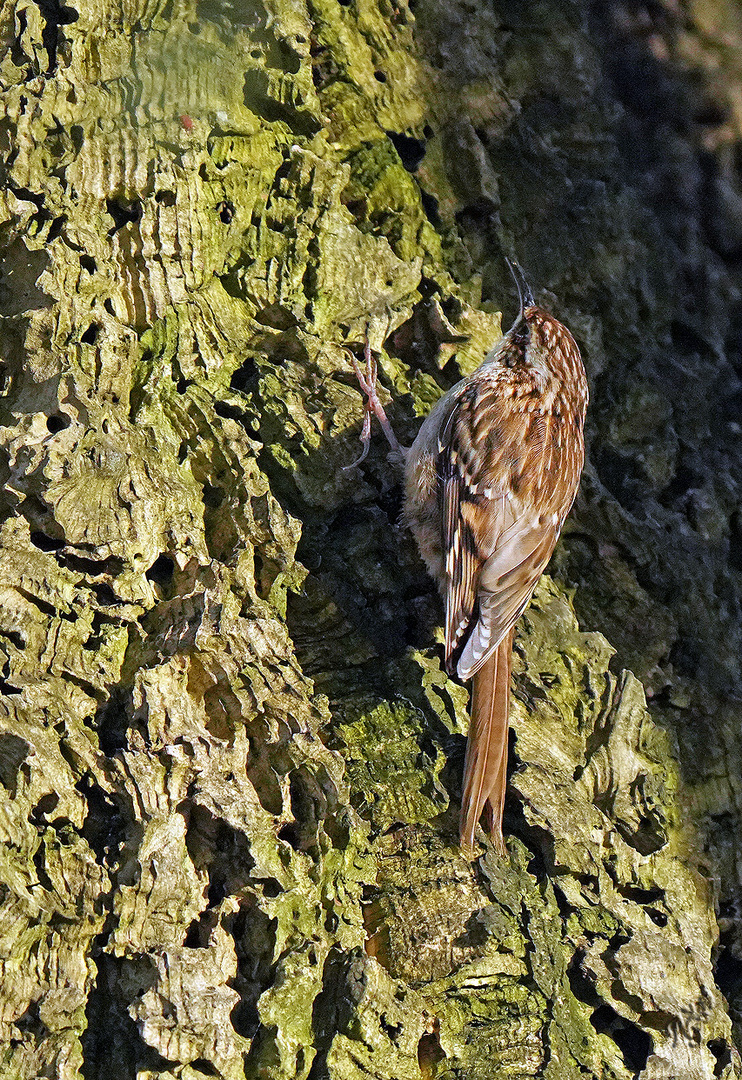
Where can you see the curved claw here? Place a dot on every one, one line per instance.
(365, 438)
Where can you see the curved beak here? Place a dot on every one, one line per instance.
(525, 296)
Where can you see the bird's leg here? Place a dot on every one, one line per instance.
(367, 382)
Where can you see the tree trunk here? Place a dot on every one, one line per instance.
(231, 757)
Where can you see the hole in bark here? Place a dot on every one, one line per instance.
(55, 229)
(112, 1045)
(215, 893)
(123, 214)
(55, 15)
(257, 563)
(57, 423)
(165, 198)
(254, 935)
(31, 1023)
(112, 723)
(393, 1031)
(641, 896)
(580, 982)
(648, 838)
(308, 803)
(220, 850)
(103, 827)
(357, 207)
(430, 206)
(244, 376)
(270, 887)
(18, 56)
(38, 860)
(91, 334)
(635, 1045)
(290, 834)
(728, 974)
(229, 412)
(47, 609)
(411, 151)
(45, 806)
(723, 1054)
(430, 1053)
(112, 566)
(105, 594)
(192, 939)
(87, 262)
(108, 305)
(380, 76)
(225, 210)
(15, 639)
(44, 542)
(200, 930)
(204, 1067)
(213, 496)
(161, 571)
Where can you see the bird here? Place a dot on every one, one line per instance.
(489, 480)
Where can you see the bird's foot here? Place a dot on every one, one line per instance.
(373, 407)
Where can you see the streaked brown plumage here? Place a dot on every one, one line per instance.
(489, 480)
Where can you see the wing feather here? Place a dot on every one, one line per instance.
(499, 529)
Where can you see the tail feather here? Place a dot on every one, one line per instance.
(485, 771)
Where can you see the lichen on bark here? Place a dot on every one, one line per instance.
(230, 756)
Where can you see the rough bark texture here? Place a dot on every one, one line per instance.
(229, 755)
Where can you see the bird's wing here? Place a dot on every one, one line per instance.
(506, 582)
(499, 528)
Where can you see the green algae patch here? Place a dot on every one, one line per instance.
(391, 775)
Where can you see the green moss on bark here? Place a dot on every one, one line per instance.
(230, 755)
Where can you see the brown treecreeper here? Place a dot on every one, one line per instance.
(489, 480)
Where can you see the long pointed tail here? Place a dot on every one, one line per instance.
(485, 771)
